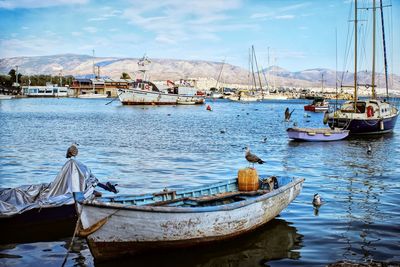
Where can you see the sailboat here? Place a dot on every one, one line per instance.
(93, 94)
(252, 93)
(372, 115)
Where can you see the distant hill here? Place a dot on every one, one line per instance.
(173, 69)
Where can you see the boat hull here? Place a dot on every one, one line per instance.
(39, 224)
(146, 97)
(134, 230)
(365, 126)
(316, 135)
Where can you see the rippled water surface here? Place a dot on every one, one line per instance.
(145, 149)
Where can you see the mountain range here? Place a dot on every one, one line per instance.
(175, 69)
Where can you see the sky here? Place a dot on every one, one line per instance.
(293, 34)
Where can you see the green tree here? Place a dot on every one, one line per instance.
(125, 76)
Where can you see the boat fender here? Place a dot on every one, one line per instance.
(382, 125)
(370, 111)
(326, 117)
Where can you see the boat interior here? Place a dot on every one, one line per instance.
(213, 195)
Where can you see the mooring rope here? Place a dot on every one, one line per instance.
(113, 99)
(72, 240)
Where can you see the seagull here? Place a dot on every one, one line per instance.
(264, 140)
(369, 150)
(222, 131)
(317, 200)
(72, 151)
(251, 158)
(288, 114)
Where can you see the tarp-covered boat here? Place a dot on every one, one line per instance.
(44, 211)
(317, 134)
(133, 224)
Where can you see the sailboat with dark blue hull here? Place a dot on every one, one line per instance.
(370, 116)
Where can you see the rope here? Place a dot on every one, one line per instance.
(114, 99)
(72, 240)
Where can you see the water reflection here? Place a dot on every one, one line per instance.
(276, 240)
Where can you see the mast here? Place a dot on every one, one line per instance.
(258, 71)
(384, 51)
(355, 55)
(94, 73)
(373, 50)
(220, 72)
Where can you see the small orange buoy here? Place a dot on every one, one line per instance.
(209, 108)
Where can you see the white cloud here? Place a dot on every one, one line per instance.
(90, 29)
(177, 20)
(27, 4)
(285, 17)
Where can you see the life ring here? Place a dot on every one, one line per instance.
(147, 87)
(370, 111)
(326, 117)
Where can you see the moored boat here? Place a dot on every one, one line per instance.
(46, 211)
(373, 115)
(317, 134)
(6, 97)
(318, 105)
(144, 92)
(133, 224)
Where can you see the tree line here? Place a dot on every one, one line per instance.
(33, 80)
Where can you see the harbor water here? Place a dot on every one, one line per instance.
(149, 148)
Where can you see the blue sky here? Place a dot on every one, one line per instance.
(298, 34)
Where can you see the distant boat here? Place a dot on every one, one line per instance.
(319, 104)
(6, 97)
(132, 224)
(370, 116)
(50, 90)
(143, 92)
(317, 134)
(92, 95)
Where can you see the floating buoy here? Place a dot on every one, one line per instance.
(209, 108)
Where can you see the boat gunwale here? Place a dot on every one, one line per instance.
(169, 209)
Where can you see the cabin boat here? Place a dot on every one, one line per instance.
(147, 93)
(133, 224)
(144, 92)
(317, 134)
(318, 105)
(50, 90)
(373, 115)
(46, 211)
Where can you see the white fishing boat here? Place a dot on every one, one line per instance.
(144, 92)
(133, 224)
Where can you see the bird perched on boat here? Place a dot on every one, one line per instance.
(72, 151)
(369, 150)
(251, 158)
(109, 187)
(317, 200)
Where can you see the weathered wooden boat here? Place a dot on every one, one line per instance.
(44, 211)
(133, 224)
(317, 134)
